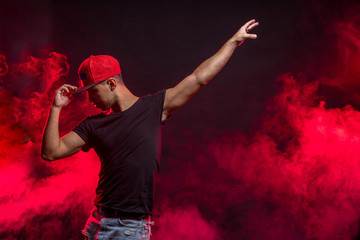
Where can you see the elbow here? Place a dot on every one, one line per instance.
(201, 80)
(202, 83)
(48, 153)
(47, 157)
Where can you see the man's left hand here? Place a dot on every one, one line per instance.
(243, 32)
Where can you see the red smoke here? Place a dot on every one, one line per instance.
(35, 194)
(335, 59)
(313, 183)
(295, 177)
(184, 223)
(4, 67)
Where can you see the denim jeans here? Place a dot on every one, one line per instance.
(98, 227)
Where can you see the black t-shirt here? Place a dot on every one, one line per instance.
(128, 144)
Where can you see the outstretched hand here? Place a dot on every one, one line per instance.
(243, 32)
(63, 95)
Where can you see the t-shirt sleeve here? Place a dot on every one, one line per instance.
(158, 101)
(83, 130)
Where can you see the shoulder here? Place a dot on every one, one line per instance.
(93, 118)
(158, 95)
(89, 121)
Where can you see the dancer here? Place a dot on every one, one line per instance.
(126, 137)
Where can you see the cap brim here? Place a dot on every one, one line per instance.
(85, 88)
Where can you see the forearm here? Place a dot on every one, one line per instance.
(51, 139)
(209, 68)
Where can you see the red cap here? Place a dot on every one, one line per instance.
(96, 69)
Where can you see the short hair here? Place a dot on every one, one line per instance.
(119, 78)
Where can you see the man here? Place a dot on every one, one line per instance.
(126, 138)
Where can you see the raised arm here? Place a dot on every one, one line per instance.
(177, 96)
(53, 147)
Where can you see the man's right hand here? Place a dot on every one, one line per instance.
(63, 95)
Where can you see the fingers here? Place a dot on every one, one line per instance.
(252, 25)
(248, 24)
(251, 36)
(247, 27)
(63, 95)
(66, 89)
(69, 87)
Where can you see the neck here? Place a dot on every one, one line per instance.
(124, 99)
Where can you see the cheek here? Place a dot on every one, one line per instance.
(104, 97)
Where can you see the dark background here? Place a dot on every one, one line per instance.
(158, 43)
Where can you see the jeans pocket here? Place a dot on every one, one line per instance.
(91, 228)
(130, 223)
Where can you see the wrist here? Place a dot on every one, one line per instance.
(55, 108)
(235, 42)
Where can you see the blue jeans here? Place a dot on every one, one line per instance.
(98, 227)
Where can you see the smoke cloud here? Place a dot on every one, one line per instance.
(184, 223)
(297, 175)
(294, 176)
(39, 198)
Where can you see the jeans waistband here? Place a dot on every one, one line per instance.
(114, 213)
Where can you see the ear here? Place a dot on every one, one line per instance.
(111, 83)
